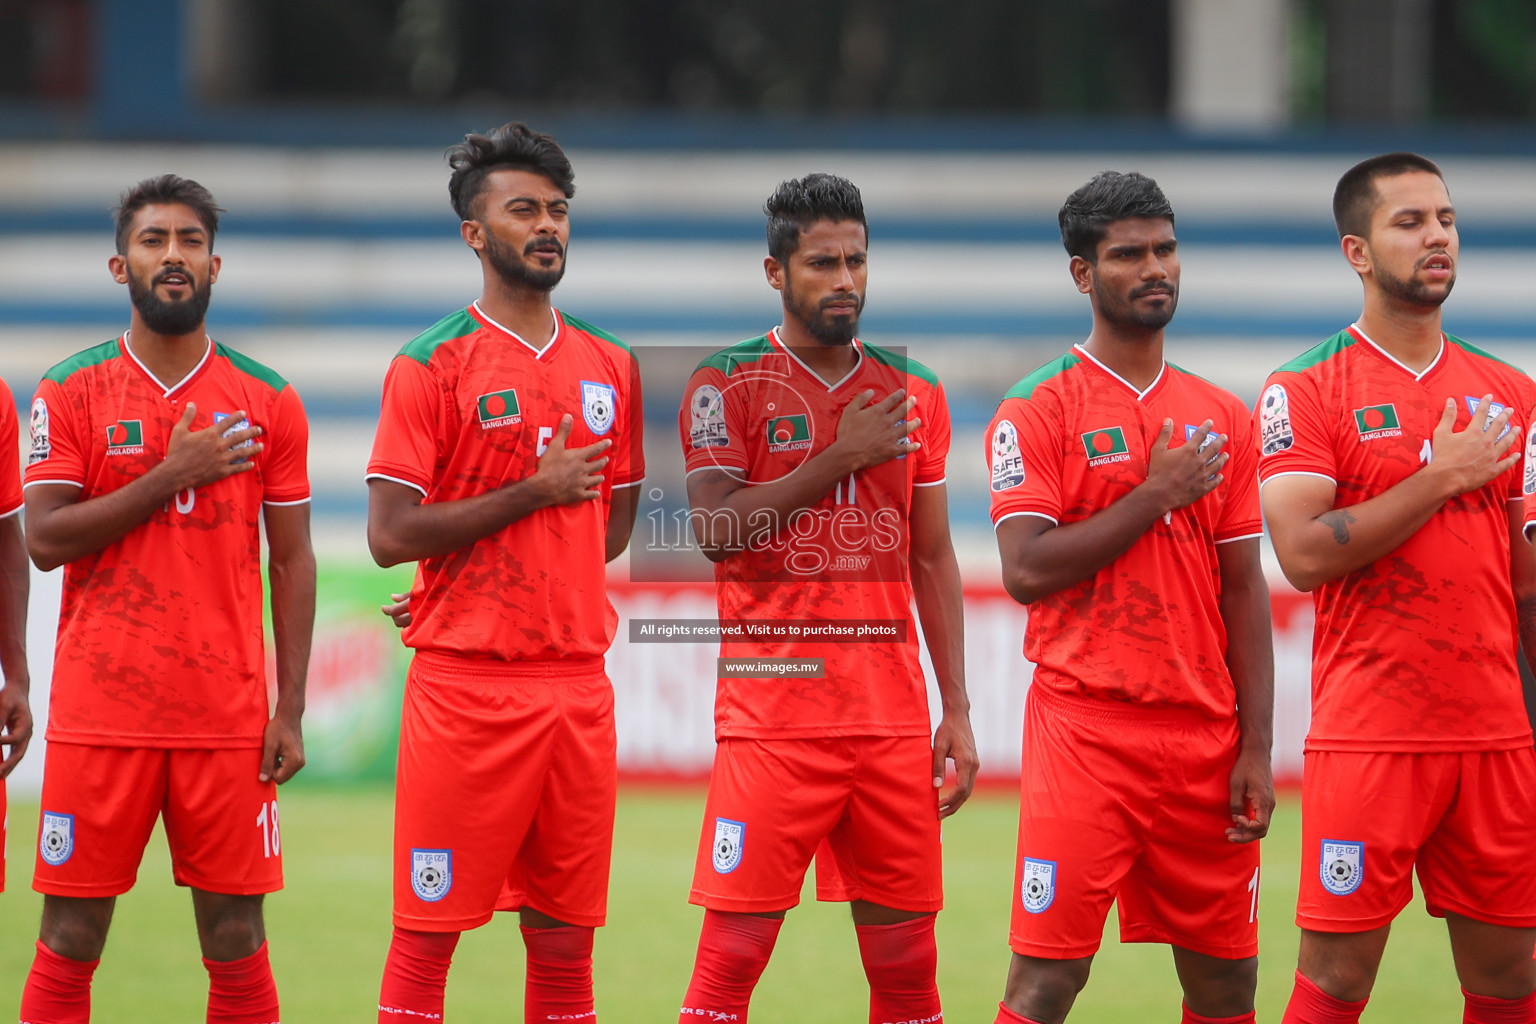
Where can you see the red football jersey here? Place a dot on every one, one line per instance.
(756, 411)
(160, 633)
(1417, 650)
(10, 455)
(1070, 440)
(469, 407)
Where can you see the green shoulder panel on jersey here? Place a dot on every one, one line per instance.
(1480, 352)
(1055, 368)
(92, 356)
(1190, 373)
(454, 325)
(250, 367)
(1319, 353)
(906, 364)
(727, 359)
(596, 332)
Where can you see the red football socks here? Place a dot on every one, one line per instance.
(242, 991)
(900, 961)
(415, 975)
(733, 950)
(1007, 1016)
(1191, 1017)
(1488, 1010)
(58, 989)
(1311, 1005)
(559, 980)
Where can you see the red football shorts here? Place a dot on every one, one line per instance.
(864, 806)
(1466, 821)
(505, 792)
(100, 806)
(1129, 804)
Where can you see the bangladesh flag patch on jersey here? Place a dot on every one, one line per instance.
(125, 437)
(498, 409)
(1105, 446)
(1377, 421)
(788, 433)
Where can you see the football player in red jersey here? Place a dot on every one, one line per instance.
(1127, 517)
(15, 583)
(156, 460)
(816, 477)
(1392, 490)
(507, 464)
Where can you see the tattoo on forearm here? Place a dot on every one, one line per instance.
(1338, 521)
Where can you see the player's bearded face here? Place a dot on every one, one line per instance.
(166, 315)
(1414, 289)
(830, 319)
(1128, 308)
(1412, 243)
(520, 268)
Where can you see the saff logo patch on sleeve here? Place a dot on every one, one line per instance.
(498, 409)
(1341, 866)
(1377, 421)
(1530, 461)
(56, 841)
(1007, 460)
(1038, 888)
(730, 841)
(431, 873)
(788, 433)
(1275, 433)
(598, 403)
(125, 437)
(1105, 446)
(706, 418)
(42, 447)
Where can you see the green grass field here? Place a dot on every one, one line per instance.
(329, 930)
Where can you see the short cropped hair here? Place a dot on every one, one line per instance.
(1107, 197)
(513, 145)
(797, 204)
(1355, 197)
(165, 190)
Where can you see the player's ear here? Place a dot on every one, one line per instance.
(214, 263)
(774, 271)
(473, 234)
(1082, 274)
(1358, 251)
(117, 265)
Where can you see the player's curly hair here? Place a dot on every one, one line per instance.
(1355, 197)
(165, 190)
(513, 145)
(1109, 196)
(797, 204)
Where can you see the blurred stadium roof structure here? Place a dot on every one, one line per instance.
(320, 124)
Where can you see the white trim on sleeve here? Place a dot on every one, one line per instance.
(1246, 536)
(35, 483)
(395, 480)
(284, 504)
(931, 483)
(1037, 515)
(728, 469)
(632, 483)
(18, 508)
(1297, 472)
